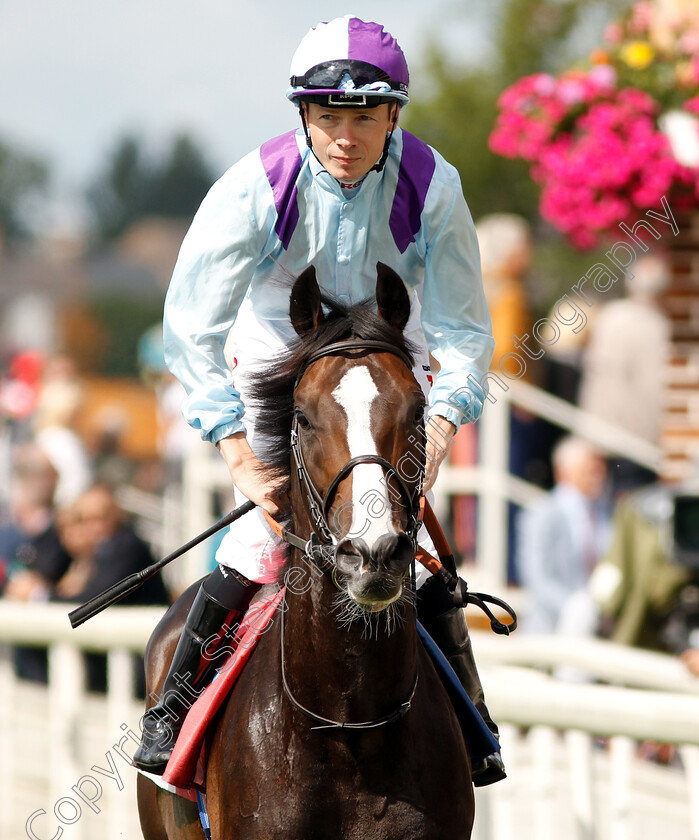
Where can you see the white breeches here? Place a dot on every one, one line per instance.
(250, 547)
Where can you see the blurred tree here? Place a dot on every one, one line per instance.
(117, 197)
(523, 37)
(132, 186)
(184, 179)
(532, 36)
(457, 121)
(22, 177)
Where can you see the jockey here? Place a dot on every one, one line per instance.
(348, 189)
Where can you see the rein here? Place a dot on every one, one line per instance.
(319, 504)
(321, 540)
(327, 723)
(444, 565)
(322, 544)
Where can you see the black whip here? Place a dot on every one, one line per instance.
(129, 584)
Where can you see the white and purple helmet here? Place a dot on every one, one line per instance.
(348, 62)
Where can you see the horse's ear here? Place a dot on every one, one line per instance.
(392, 297)
(305, 306)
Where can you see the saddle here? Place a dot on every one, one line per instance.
(185, 773)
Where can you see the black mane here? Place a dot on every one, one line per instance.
(273, 387)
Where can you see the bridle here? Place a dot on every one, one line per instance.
(322, 544)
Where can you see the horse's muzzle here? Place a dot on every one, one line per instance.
(374, 575)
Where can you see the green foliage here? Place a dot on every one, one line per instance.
(22, 177)
(133, 186)
(531, 36)
(457, 121)
(117, 197)
(526, 36)
(182, 182)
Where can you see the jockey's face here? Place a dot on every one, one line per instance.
(348, 141)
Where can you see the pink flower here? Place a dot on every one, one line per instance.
(641, 18)
(609, 163)
(689, 42)
(614, 33)
(571, 91)
(692, 105)
(603, 76)
(543, 84)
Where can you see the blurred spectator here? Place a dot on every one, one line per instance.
(648, 595)
(105, 549)
(506, 250)
(174, 434)
(624, 365)
(58, 404)
(20, 388)
(691, 659)
(561, 371)
(110, 464)
(10, 539)
(561, 540)
(505, 245)
(38, 558)
(563, 364)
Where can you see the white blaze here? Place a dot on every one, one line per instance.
(371, 508)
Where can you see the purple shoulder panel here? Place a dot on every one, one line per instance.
(417, 165)
(281, 160)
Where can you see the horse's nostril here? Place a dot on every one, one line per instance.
(390, 553)
(351, 556)
(393, 552)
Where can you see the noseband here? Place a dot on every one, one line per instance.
(322, 542)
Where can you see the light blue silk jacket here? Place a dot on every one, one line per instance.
(275, 212)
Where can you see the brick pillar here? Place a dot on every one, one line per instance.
(680, 436)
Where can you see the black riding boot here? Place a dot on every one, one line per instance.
(450, 633)
(216, 611)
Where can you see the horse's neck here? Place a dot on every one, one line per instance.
(352, 672)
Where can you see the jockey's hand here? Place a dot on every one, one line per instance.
(246, 471)
(440, 434)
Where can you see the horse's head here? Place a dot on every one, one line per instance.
(357, 438)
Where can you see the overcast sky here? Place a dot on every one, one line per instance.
(77, 74)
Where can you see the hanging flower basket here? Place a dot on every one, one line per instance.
(609, 140)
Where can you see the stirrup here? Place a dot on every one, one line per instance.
(489, 771)
(157, 742)
(208, 622)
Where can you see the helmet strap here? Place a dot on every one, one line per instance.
(306, 132)
(377, 167)
(384, 155)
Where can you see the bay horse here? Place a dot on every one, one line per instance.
(339, 726)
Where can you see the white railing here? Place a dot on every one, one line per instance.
(566, 782)
(562, 781)
(55, 739)
(491, 481)
(602, 660)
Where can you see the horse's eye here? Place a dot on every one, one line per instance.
(419, 414)
(301, 419)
